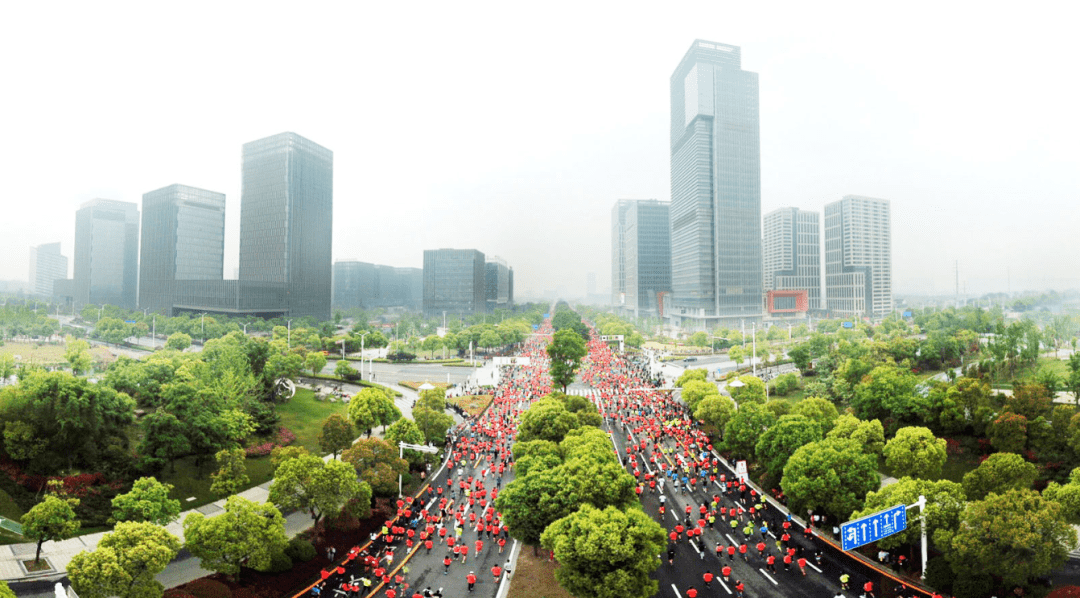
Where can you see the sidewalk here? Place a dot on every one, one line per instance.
(184, 568)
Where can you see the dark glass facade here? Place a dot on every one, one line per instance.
(496, 283)
(647, 255)
(715, 189)
(183, 240)
(363, 285)
(106, 254)
(454, 281)
(286, 225)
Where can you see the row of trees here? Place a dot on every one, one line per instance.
(571, 496)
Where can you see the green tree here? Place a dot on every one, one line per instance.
(433, 424)
(125, 562)
(78, 357)
(607, 553)
(384, 409)
(315, 361)
(699, 374)
(406, 430)
(999, 473)
(377, 463)
(833, 475)
(5, 591)
(780, 440)
(51, 519)
(7, 367)
(743, 430)
(361, 410)
(696, 390)
(944, 502)
(147, 501)
(890, 391)
(21, 441)
(699, 339)
(737, 354)
(819, 410)
(344, 370)
(1018, 535)
(231, 476)
(715, 410)
(247, 534)
(915, 452)
(752, 390)
(178, 341)
(530, 504)
(337, 434)
(1067, 495)
(546, 419)
(432, 398)
(1008, 433)
(1029, 400)
(1072, 380)
(318, 487)
(164, 439)
(869, 435)
(566, 350)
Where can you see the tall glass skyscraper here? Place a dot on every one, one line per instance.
(641, 254)
(792, 254)
(106, 253)
(286, 225)
(455, 281)
(183, 239)
(715, 189)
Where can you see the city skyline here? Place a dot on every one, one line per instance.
(844, 110)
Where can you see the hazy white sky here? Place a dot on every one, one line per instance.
(513, 127)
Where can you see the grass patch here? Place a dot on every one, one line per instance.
(9, 508)
(472, 404)
(46, 353)
(416, 385)
(187, 480)
(363, 383)
(535, 577)
(304, 416)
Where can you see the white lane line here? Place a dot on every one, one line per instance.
(811, 565)
(694, 546)
(730, 538)
(727, 589)
(768, 577)
(676, 590)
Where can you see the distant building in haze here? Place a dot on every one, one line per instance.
(641, 254)
(858, 257)
(106, 255)
(183, 241)
(286, 226)
(46, 267)
(366, 286)
(455, 281)
(791, 254)
(715, 189)
(497, 283)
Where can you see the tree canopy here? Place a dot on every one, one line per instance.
(147, 501)
(833, 475)
(915, 452)
(125, 562)
(998, 473)
(566, 350)
(247, 534)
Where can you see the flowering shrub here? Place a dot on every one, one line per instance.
(952, 447)
(78, 485)
(284, 437)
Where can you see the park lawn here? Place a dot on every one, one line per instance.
(416, 385)
(45, 354)
(187, 482)
(304, 416)
(8, 507)
(534, 577)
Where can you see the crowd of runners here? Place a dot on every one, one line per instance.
(732, 529)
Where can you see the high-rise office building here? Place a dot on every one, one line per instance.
(641, 254)
(183, 240)
(618, 250)
(286, 218)
(46, 267)
(858, 257)
(106, 254)
(715, 189)
(791, 254)
(497, 283)
(455, 281)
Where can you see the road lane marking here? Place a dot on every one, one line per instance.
(768, 577)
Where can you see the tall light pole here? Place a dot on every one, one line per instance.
(153, 333)
(202, 324)
(753, 354)
(361, 353)
(288, 335)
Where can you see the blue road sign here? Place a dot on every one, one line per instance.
(535, 327)
(907, 314)
(847, 324)
(873, 527)
(129, 321)
(547, 316)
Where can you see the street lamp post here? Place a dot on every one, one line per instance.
(288, 335)
(753, 355)
(423, 448)
(361, 353)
